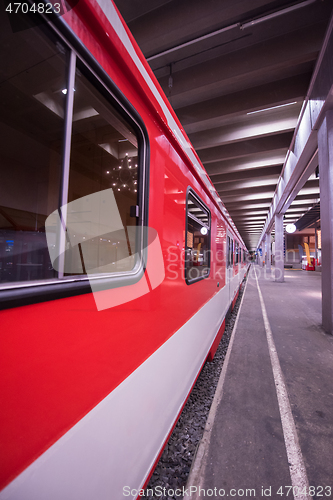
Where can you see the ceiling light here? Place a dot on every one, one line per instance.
(273, 107)
(291, 228)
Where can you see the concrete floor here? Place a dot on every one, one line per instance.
(244, 444)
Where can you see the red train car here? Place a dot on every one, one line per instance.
(118, 261)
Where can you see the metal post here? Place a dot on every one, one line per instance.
(325, 157)
(279, 248)
(268, 252)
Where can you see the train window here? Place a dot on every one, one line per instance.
(63, 154)
(230, 249)
(104, 155)
(32, 76)
(236, 252)
(197, 259)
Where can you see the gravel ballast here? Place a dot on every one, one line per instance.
(172, 470)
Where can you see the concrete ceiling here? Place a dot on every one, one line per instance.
(222, 63)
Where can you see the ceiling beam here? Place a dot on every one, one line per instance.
(258, 173)
(275, 58)
(213, 112)
(245, 148)
(248, 127)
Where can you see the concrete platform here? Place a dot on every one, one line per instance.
(247, 449)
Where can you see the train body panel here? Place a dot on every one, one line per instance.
(125, 431)
(89, 395)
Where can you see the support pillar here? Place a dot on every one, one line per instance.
(325, 157)
(279, 249)
(268, 252)
(316, 246)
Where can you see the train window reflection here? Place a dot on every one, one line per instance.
(36, 174)
(197, 259)
(32, 75)
(104, 155)
(236, 252)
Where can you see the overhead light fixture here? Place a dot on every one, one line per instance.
(290, 228)
(273, 107)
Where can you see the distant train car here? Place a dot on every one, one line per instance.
(118, 262)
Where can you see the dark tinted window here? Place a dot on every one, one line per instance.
(236, 252)
(69, 186)
(32, 76)
(197, 262)
(104, 156)
(230, 251)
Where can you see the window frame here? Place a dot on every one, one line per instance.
(195, 196)
(23, 293)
